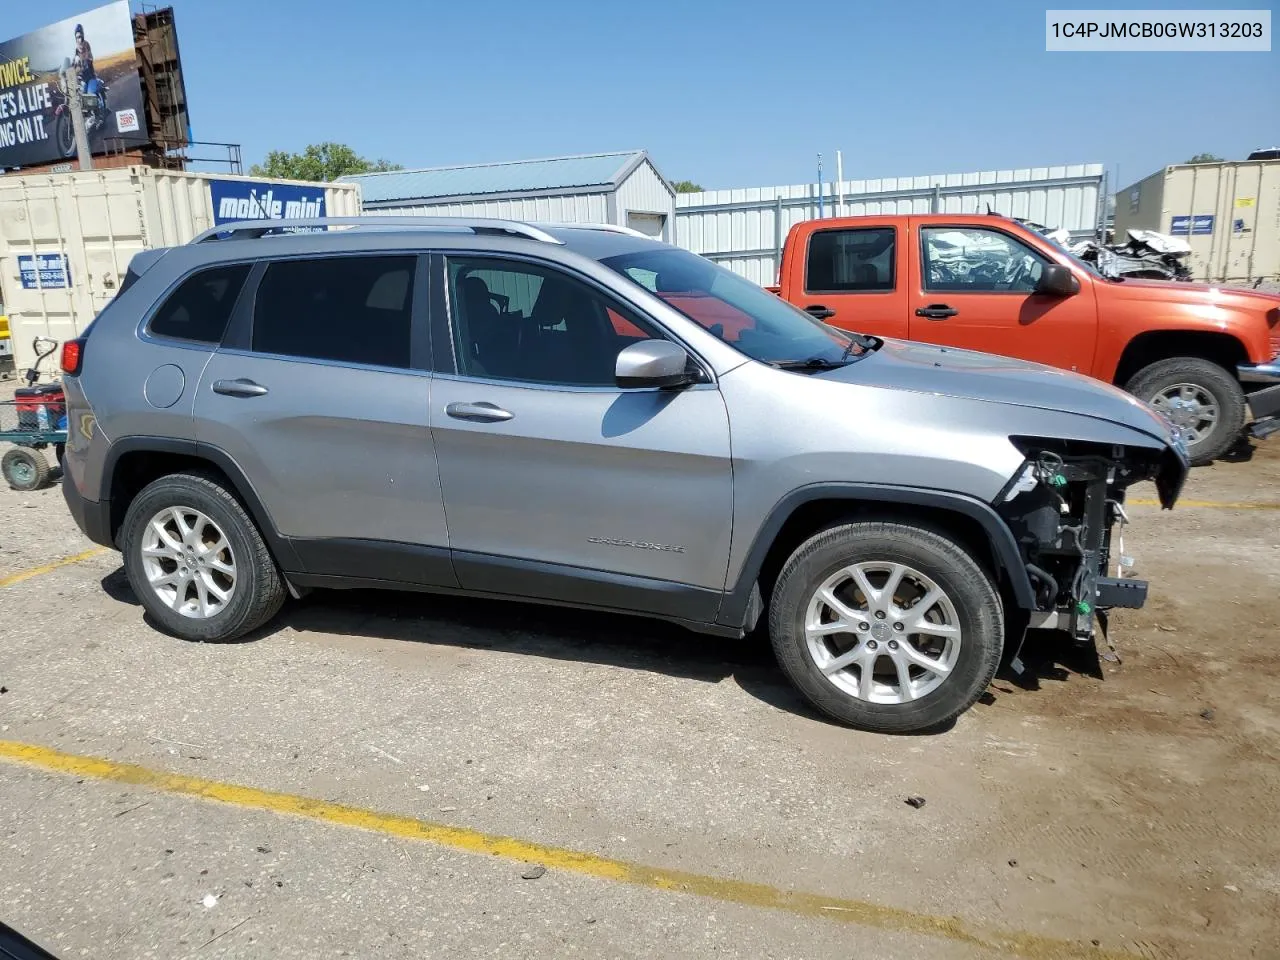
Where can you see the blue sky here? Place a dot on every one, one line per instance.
(729, 94)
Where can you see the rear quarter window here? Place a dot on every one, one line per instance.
(200, 308)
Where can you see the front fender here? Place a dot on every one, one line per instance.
(1004, 548)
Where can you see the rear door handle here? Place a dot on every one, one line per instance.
(480, 412)
(239, 388)
(936, 311)
(819, 312)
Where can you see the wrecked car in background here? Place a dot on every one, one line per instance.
(1147, 255)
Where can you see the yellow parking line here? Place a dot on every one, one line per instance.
(860, 912)
(44, 568)
(1213, 504)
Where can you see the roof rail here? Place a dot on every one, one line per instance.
(605, 227)
(252, 229)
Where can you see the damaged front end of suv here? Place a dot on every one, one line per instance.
(1065, 507)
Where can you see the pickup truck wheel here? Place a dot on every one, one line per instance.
(886, 627)
(196, 562)
(1200, 397)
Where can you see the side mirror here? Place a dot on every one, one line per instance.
(653, 363)
(1057, 281)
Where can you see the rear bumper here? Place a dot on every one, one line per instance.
(93, 517)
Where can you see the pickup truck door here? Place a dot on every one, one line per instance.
(974, 287)
(853, 278)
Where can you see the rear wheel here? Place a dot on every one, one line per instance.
(1201, 398)
(197, 562)
(886, 626)
(24, 469)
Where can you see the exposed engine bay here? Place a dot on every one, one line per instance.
(1064, 507)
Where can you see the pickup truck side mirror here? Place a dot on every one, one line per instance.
(1057, 281)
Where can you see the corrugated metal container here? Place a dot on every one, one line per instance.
(1228, 212)
(744, 229)
(86, 226)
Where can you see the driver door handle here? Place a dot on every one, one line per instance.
(239, 388)
(819, 312)
(480, 412)
(936, 311)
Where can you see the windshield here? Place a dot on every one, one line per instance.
(743, 315)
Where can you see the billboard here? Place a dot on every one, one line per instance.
(35, 126)
(254, 200)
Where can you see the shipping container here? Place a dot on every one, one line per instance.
(1228, 212)
(66, 239)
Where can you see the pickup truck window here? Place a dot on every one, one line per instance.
(850, 261)
(976, 260)
(745, 316)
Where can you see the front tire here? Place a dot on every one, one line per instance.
(197, 562)
(1200, 397)
(886, 627)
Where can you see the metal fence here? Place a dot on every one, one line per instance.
(744, 229)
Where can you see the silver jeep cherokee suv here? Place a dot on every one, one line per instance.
(583, 416)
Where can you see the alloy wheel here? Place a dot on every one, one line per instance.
(188, 562)
(882, 632)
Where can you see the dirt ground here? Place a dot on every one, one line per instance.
(1131, 804)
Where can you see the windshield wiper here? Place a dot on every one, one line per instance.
(813, 363)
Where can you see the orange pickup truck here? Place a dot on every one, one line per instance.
(1208, 357)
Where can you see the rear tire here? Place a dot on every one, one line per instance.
(24, 469)
(1183, 388)
(942, 629)
(197, 562)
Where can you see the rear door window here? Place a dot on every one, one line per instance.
(851, 261)
(343, 309)
(199, 309)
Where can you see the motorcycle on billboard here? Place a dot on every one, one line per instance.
(93, 106)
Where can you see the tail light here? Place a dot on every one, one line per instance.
(72, 356)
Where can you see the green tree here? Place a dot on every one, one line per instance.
(319, 161)
(687, 186)
(1206, 158)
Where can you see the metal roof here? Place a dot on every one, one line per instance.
(519, 176)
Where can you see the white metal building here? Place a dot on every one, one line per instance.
(744, 229)
(620, 188)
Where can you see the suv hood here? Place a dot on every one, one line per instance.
(966, 374)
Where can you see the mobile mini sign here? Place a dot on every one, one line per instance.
(44, 271)
(35, 118)
(1199, 225)
(246, 200)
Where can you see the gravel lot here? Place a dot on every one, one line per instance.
(1100, 808)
